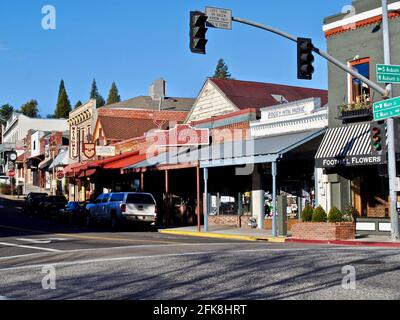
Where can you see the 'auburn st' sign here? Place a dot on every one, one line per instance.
(182, 135)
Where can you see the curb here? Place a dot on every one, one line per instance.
(222, 236)
(347, 243)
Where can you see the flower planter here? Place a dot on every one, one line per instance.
(324, 231)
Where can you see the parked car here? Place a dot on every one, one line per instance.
(5, 180)
(73, 212)
(121, 207)
(32, 201)
(50, 205)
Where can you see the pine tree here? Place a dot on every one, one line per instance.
(6, 111)
(78, 104)
(94, 94)
(63, 107)
(113, 96)
(30, 109)
(221, 71)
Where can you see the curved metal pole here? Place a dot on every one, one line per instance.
(373, 85)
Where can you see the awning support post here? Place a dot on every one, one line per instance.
(206, 205)
(274, 174)
(198, 198)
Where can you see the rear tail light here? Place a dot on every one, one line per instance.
(123, 207)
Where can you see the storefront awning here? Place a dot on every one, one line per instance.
(61, 160)
(260, 150)
(45, 164)
(124, 162)
(347, 146)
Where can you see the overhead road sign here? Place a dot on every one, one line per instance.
(386, 109)
(387, 73)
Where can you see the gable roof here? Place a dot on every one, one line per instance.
(147, 103)
(248, 94)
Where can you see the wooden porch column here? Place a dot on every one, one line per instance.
(142, 181)
(198, 197)
(167, 207)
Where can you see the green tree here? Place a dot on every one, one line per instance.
(78, 104)
(113, 95)
(6, 111)
(94, 94)
(30, 109)
(63, 107)
(221, 71)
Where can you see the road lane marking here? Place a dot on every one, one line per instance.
(42, 241)
(28, 247)
(113, 239)
(23, 256)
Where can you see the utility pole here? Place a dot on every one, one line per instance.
(394, 217)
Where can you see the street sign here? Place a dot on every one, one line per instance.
(386, 109)
(388, 73)
(219, 18)
(11, 173)
(60, 175)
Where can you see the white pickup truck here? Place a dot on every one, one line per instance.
(120, 207)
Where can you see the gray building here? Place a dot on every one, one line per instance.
(350, 170)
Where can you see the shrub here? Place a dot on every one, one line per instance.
(350, 214)
(335, 215)
(319, 215)
(307, 213)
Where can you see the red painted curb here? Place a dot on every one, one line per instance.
(347, 243)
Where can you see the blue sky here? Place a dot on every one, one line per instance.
(134, 42)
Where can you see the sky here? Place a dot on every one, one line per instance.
(135, 42)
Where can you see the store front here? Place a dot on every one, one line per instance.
(352, 173)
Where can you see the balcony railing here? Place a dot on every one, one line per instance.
(356, 112)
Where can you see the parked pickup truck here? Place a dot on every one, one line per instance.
(120, 207)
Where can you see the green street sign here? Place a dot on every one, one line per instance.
(386, 109)
(387, 73)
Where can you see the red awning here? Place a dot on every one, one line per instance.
(87, 173)
(128, 161)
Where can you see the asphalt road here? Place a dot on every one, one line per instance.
(78, 263)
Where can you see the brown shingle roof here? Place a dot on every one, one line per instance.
(120, 128)
(248, 94)
(147, 103)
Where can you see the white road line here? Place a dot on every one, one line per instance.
(28, 247)
(23, 256)
(42, 241)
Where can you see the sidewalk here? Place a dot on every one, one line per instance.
(227, 233)
(9, 197)
(266, 235)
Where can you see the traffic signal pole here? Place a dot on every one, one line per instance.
(394, 217)
(354, 73)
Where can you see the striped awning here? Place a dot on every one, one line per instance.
(348, 146)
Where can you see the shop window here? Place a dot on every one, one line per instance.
(360, 93)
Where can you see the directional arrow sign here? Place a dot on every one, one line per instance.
(386, 109)
(387, 73)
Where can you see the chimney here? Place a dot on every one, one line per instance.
(158, 89)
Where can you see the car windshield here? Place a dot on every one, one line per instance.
(141, 198)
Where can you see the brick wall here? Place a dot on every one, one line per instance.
(222, 220)
(324, 231)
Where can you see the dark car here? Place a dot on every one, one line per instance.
(32, 201)
(51, 205)
(73, 212)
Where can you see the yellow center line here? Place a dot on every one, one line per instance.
(113, 239)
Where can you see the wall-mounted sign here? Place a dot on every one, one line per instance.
(74, 143)
(182, 135)
(290, 110)
(105, 151)
(89, 150)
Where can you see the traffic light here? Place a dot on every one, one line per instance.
(305, 58)
(378, 137)
(198, 32)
